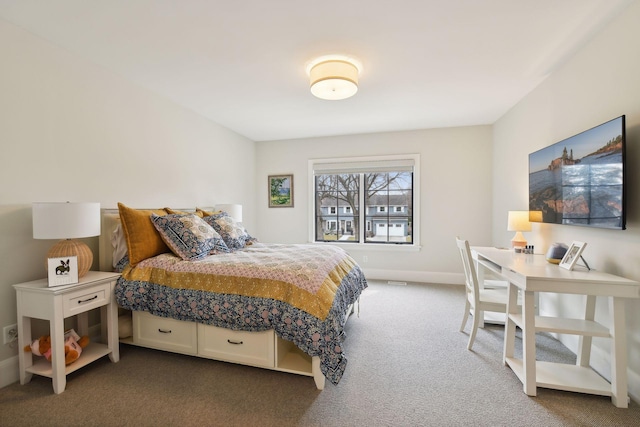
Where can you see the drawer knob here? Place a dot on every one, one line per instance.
(164, 331)
(235, 342)
(82, 301)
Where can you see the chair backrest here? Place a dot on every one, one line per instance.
(471, 278)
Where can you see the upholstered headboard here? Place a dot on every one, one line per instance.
(110, 219)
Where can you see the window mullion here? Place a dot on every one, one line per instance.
(361, 211)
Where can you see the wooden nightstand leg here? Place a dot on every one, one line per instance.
(83, 323)
(25, 359)
(112, 330)
(58, 374)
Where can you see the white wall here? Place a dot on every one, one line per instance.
(455, 195)
(600, 83)
(70, 130)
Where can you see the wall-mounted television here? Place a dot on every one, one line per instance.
(581, 180)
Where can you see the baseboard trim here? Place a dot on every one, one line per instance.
(414, 276)
(9, 371)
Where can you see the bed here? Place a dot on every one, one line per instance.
(275, 306)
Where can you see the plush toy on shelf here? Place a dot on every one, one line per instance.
(73, 345)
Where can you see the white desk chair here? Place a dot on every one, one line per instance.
(479, 299)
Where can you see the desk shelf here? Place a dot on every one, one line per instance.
(563, 325)
(559, 376)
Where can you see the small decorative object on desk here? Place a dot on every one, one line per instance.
(556, 252)
(573, 253)
(63, 270)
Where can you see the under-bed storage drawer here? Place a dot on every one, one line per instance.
(248, 348)
(164, 334)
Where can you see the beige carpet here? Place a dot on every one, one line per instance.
(408, 366)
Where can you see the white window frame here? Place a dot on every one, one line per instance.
(351, 163)
(333, 210)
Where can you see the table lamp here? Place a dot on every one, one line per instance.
(68, 222)
(518, 221)
(234, 211)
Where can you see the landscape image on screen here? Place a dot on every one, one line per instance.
(579, 180)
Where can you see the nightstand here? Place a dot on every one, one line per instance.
(38, 301)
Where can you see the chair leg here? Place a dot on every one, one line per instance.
(467, 307)
(480, 318)
(474, 329)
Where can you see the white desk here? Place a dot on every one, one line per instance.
(532, 274)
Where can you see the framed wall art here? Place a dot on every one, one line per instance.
(280, 191)
(62, 271)
(573, 254)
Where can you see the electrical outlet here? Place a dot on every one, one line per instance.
(10, 333)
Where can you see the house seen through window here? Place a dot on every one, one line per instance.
(367, 201)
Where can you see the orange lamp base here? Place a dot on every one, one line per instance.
(73, 247)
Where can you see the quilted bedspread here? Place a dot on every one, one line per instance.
(302, 292)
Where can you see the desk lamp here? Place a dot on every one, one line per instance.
(68, 222)
(518, 221)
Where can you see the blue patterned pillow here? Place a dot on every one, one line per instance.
(233, 234)
(188, 236)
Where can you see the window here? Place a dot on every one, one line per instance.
(378, 192)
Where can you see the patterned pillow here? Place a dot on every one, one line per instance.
(233, 234)
(188, 236)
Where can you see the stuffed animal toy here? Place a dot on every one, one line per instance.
(73, 345)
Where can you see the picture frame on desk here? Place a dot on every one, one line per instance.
(62, 271)
(572, 255)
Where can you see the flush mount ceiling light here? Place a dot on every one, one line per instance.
(334, 77)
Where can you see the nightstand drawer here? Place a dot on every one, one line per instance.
(249, 348)
(164, 334)
(86, 299)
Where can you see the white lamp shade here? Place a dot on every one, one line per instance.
(518, 221)
(234, 211)
(58, 220)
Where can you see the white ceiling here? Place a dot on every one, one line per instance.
(241, 63)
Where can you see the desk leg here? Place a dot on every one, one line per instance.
(509, 325)
(58, 374)
(584, 343)
(618, 353)
(480, 276)
(529, 343)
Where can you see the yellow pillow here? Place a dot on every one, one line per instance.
(143, 240)
(177, 212)
(202, 213)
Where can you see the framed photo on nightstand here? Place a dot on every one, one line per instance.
(62, 271)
